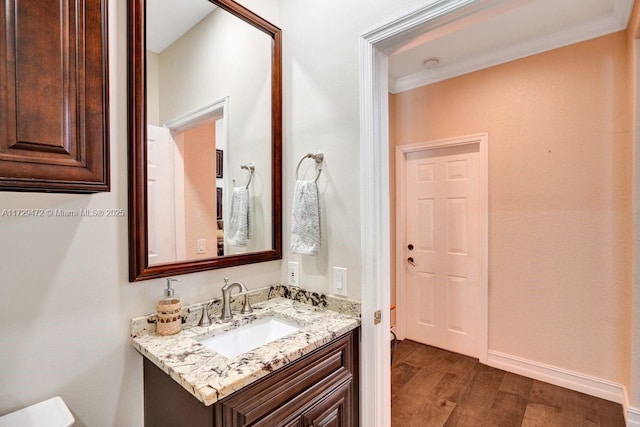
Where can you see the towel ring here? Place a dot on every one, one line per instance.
(251, 168)
(318, 157)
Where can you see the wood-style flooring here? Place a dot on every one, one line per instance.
(431, 387)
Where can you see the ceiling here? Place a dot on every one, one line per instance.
(166, 23)
(509, 30)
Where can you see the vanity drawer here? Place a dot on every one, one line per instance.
(284, 396)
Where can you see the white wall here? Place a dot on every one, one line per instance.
(67, 302)
(223, 56)
(153, 86)
(634, 392)
(321, 114)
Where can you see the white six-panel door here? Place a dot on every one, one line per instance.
(442, 250)
(161, 195)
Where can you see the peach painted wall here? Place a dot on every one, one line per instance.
(559, 130)
(200, 189)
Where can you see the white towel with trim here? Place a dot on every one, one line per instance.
(305, 219)
(239, 225)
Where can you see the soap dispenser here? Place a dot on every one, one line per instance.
(168, 310)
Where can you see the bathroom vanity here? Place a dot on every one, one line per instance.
(308, 377)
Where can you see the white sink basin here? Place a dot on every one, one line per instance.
(250, 336)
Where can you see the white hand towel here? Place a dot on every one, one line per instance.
(305, 219)
(239, 225)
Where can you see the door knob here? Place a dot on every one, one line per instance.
(410, 247)
(410, 261)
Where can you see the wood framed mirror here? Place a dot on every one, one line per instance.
(205, 137)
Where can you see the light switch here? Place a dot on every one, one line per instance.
(201, 246)
(340, 281)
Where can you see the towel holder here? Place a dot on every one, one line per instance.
(318, 157)
(251, 168)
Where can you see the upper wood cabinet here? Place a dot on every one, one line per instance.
(54, 96)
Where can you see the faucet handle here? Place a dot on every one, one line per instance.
(205, 320)
(246, 308)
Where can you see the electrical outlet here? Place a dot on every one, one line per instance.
(201, 246)
(293, 273)
(340, 281)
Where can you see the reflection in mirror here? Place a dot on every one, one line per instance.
(189, 67)
(211, 78)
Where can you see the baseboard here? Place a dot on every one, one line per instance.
(633, 417)
(567, 379)
(558, 376)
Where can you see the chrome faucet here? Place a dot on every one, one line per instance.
(226, 299)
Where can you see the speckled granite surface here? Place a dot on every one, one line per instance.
(210, 376)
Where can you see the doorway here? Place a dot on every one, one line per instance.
(185, 157)
(181, 166)
(441, 249)
(376, 46)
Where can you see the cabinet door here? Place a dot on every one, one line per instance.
(332, 411)
(54, 96)
(297, 422)
(284, 396)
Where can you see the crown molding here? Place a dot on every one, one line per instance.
(617, 20)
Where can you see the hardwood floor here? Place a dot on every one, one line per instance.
(431, 387)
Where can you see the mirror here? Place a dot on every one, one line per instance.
(205, 137)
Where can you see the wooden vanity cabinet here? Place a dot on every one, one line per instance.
(320, 389)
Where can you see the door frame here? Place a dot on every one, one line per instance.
(482, 139)
(632, 400)
(375, 46)
(375, 209)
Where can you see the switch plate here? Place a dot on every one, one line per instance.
(340, 281)
(201, 246)
(293, 273)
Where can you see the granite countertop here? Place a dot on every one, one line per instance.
(210, 376)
